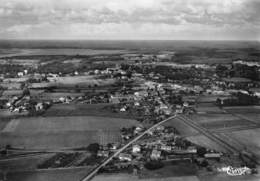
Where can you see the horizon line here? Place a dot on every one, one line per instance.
(58, 39)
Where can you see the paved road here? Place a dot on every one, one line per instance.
(94, 171)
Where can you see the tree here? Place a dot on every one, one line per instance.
(221, 70)
(201, 151)
(93, 147)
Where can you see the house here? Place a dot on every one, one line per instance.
(155, 155)
(62, 99)
(160, 128)
(20, 74)
(137, 104)
(256, 91)
(123, 109)
(166, 148)
(192, 149)
(125, 157)
(39, 106)
(102, 153)
(136, 149)
(185, 104)
(138, 129)
(114, 146)
(114, 100)
(212, 155)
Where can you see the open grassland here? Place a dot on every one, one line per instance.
(62, 132)
(85, 110)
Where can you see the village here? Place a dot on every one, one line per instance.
(149, 91)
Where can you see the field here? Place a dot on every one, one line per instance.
(243, 109)
(205, 142)
(11, 93)
(22, 164)
(79, 123)
(174, 169)
(183, 129)
(3, 122)
(249, 138)
(62, 132)
(84, 110)
(57, 95)
(60, 51)
(251, 116)
(83, 80)
(209, 98)
(124, 177)
(218, 121)
(74, 174)
(202, 109)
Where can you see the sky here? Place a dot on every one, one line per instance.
(130, 19)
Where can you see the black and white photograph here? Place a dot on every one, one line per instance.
(129, 90)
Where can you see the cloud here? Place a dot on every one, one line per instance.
(166, 18)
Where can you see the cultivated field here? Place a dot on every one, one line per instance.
(57, 95)
(71, 174)
(183, 129)
(59, 124)
(207, 118)
(218, 121)
(61, 51)
(209, 98)
(80, 81)
(23, 164)
(174, 169)
(249, 138)
(255, 117)
(243, 109)
(84, 110)
(126, 177)
(62, 132)
(203, 109)
(205, 142)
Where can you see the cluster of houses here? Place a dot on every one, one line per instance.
(161, 144)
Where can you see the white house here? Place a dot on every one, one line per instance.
(136, 149)
(156, 154)
(125, 157)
